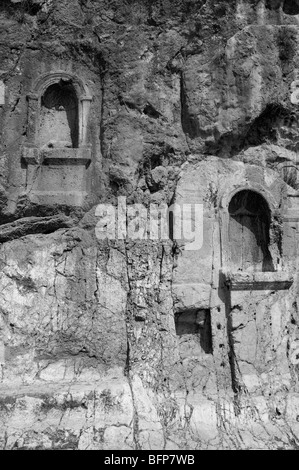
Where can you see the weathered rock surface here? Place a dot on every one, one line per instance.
(149, 344)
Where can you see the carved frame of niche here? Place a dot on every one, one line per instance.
(243, 280)
(35, 155)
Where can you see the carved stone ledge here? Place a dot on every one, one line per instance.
(279, 280)
(57, 156)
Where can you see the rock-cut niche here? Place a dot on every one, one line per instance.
(57, 152)
(59, 120)
(195, 327)
(249, 232)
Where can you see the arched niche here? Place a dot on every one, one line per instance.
(58, 123)
(262, 208)
(249, 232)
(57, 151)
(58, 106)
(251, 237)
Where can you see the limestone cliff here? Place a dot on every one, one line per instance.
(127, 343)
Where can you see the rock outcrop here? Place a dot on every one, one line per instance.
(182, 111)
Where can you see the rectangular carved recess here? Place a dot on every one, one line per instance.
(279, 280)
(196, 323)
(57, 176)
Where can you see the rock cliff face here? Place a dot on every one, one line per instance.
(118, 342)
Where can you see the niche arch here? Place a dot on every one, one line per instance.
(58, 123)
(249, 232)
(262, 251)
(63, 90)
